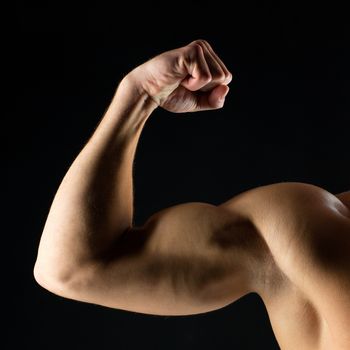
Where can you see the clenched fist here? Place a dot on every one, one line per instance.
(188, 79)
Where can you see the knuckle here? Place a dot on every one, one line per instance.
(190, 48)
(221, 76)
(218, 74)
(205, 42)
(228, 76)
(191, 52)
(195, 48)
(201, 42)
(206, 77)
(193, 44)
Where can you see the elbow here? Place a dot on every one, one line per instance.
(39, 276)
(49, 280)
(55, 281)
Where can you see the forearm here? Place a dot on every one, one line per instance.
(94, 202)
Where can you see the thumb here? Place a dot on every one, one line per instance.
(216, 97)
(213, 99)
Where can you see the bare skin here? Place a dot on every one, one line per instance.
(288, 242)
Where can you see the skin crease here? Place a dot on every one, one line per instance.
(288, 242)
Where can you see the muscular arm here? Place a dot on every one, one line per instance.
(89, 249)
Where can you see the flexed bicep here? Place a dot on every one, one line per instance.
(175, 264)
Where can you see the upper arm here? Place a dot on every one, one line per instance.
(172, 265)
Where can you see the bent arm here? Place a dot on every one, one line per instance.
(81, 253)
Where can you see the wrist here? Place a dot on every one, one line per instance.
(129, 109)
(132, 84)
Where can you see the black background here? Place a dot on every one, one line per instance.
(286, 118)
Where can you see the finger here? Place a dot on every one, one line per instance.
(227, 73)
(210, 100)
(217, 74)
(197, 68)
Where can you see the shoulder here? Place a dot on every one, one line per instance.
(344, 197)
(311, 229)
(304, 214)
(305, 227)
(295, 192)
(295, 201)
